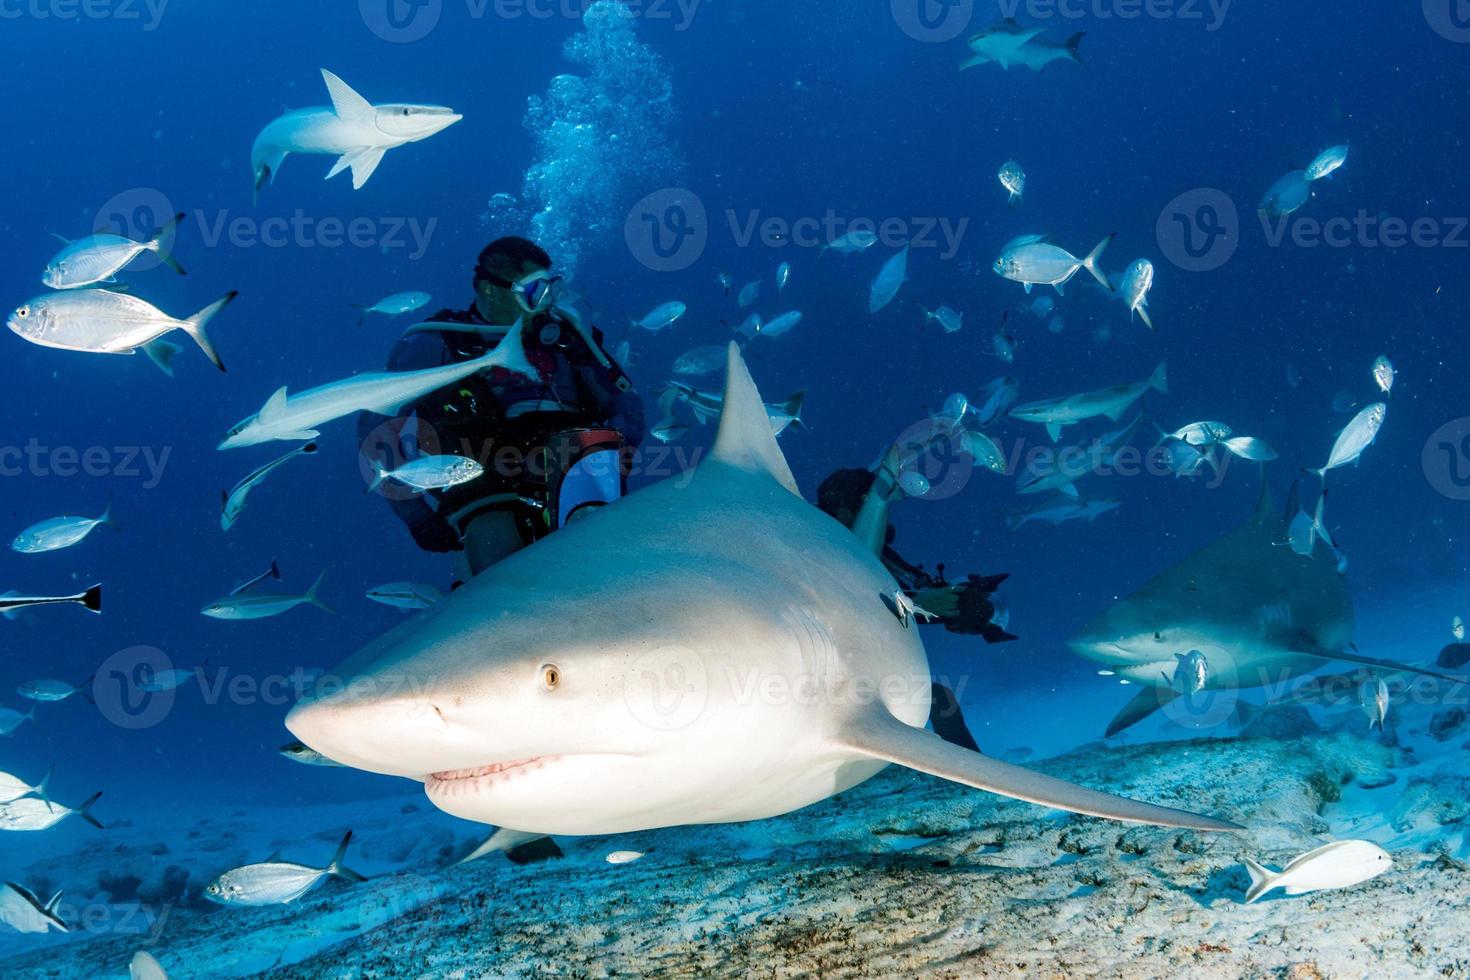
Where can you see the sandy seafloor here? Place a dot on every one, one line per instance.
(904, 876)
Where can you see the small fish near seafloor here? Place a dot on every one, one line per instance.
(277, 882)
(1340, 864)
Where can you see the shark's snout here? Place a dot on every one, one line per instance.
(397, 735)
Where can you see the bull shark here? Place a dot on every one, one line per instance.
(1258, 612)
(1008, 43)
(710, 649)
(352, 129)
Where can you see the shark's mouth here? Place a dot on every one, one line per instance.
(472, 780)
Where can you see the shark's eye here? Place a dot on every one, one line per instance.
(1159, 637)
(550, 676)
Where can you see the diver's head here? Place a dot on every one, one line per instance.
(513, 279)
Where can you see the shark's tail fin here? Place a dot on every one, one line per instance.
(312, 597)
(1160, 379)
(1263, 879)
(336, 867)
(1072, 44)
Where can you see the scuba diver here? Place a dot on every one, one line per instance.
(859, 499)
(553, 447)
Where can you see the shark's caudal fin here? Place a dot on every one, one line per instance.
(745, 440)
(876, 734)
(1145, 703)
(1357, 658)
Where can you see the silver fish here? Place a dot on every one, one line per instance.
(13, 788)
(1356, 437)
(783, 276)
(1457, 629)
(853, 241)
(1287, 195)
(100, 321)
(22, 911)
(951, 321)
(985, 450)
(749, 293)
(406, 595)
(669, 430)
(1251, 448)
(1137, 281)
(1191, 673)
(1055, 413)
(701, 360)
(47, 690)
(233, 501)
(30, 813)
(99, 258)
(1013, 179)
(10, 719)
(168, 680)
(1039, 263)
(661, 316)
(1340, 864)
(776, 326)
(395, 305)
(430, 473)
(1328, 162)
(1383, 374)
(1373, 697)
(59, 532)
(996, 398)
(889, 281)
(277, 882)
(263, 605)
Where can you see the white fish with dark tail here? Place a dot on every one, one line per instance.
(1003, 344)
(1287, 195)
(59, 532)
(47, 691)
(1040, 263)
(395, 305)
(551, 718)
(1114, 402)
(1137, 281)
(749, 293)
(1013, 179)
(429, 473)
(30, 813)
(233, 501)
(726, 283)
(1191, 673)
(296, 417)
(277, 882)
(100, 321)
(406, 595)
(1373, 698)
(99, 258)
(1353, 440)
(1328, 162)
(669, 430)
(985, 451)
(11, 603)
(1260, 613)
(263, 605)
(700, 360)
(662, 316)
(751, 327)
(1340, 864)
(853, 241)
(10, 719)
(783, 276)
(778, 325)
(13, 787)
(1384, 375)
(1009, 44)
(624, 857)
(273, 572)
(23, 911)
(889, 281)
(352, 129)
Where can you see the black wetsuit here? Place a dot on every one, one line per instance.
(501, 419)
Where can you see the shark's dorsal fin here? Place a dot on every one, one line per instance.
(349, 105)
(745, 440)
(1266, 512)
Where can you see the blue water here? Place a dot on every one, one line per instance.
(783, 111)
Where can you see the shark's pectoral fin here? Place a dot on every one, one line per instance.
(1357, 658)
(508, 841)
(876, 734)
(745, 440)
(363, 161)
(1145, 703)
